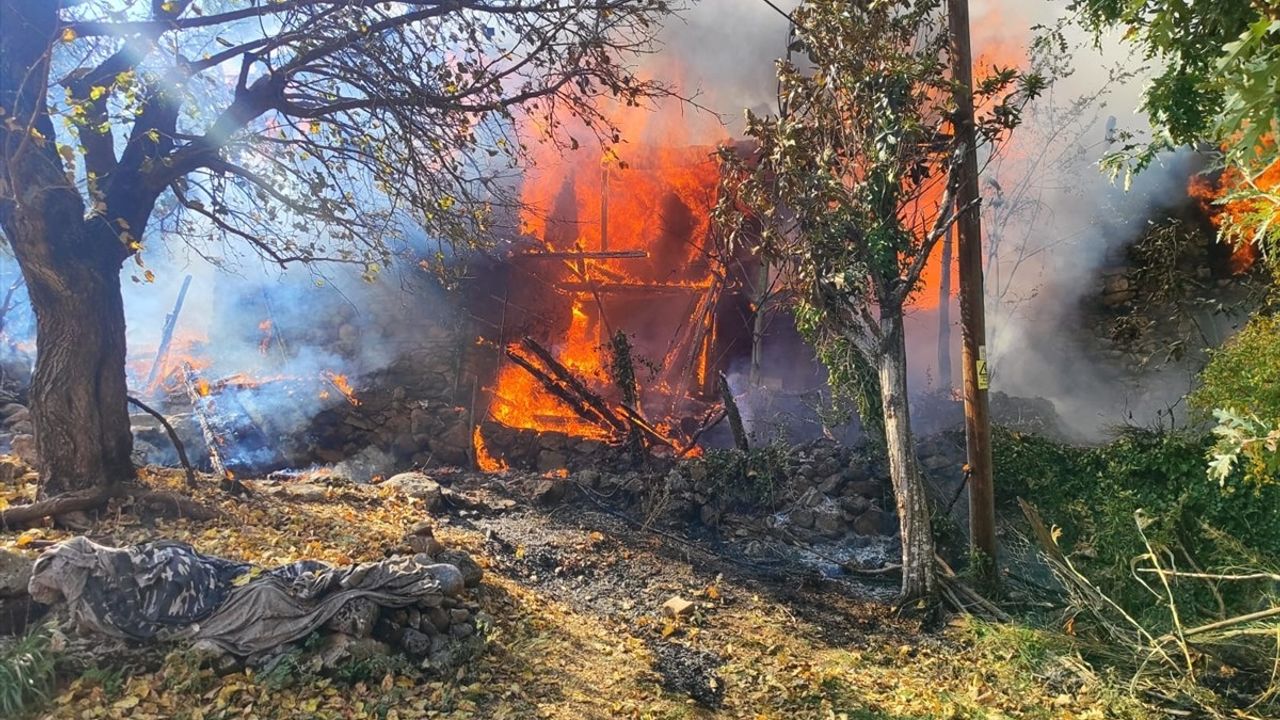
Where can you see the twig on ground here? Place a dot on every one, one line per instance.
(173, 437)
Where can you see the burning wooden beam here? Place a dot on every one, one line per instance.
(572, 400)
(583, 255)
(199, 398)
(632, 287)
(594, 401)
(166, 337)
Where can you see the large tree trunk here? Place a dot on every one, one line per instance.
(79, 403)
(908, 488)
(72, 269)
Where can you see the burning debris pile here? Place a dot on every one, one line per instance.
(618, 312)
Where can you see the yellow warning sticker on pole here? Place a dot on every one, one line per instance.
(984, 377)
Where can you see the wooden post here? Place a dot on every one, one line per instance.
(166, 337)
(982, 530)
(944, 317)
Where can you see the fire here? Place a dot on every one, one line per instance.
(484, 460)
(627, 225)
(1211, 192)
(266, 327)
(342, 385)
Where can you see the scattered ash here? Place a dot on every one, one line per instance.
(689, 671)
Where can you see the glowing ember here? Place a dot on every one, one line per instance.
(484, 460)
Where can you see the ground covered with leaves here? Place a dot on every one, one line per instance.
(579, 631)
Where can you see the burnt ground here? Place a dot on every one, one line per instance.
(576, 596)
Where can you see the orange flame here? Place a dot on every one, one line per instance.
(340, 382)
(651, 204)
(484, 460)
(1211, 192)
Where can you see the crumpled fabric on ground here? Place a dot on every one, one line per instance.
(166, 590)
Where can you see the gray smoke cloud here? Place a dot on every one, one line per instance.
(1073, 221)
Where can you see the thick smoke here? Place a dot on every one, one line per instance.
(1074, 221)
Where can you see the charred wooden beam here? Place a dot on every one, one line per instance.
(583, 255)
(615, 288)
(166, 337)
(735, 417)
(574, 384)
(211, 439)
(711, 421)
(555, 388)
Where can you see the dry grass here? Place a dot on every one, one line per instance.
(786, 655)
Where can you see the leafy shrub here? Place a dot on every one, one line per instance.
(27, 669)
(1244, 374)
(1092, 493)
(748, 479)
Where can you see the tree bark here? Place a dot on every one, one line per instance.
(71, 265)
(79, 394)
(908, 488)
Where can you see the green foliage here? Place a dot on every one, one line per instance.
(848, 190)
(1241, 387)
(1246, 444)
(1092, 493)
(748, 479)
(26, 674)
(1219, 83)
(1244, 374)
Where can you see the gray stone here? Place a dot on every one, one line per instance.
(10, 470)
(417, 485)
(15, 573)
(870, 522)
(471, 572)
(9, 409)
(549, 460)
(831, 486)
(415, 642)
(801, 517)
(855, 505)
(865, 488)
(551, 490)
(438, 618)
(459, 615)
(829, 522)
(21, 415)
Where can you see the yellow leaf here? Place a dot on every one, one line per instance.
(669, 629)
(150, 276)
(68, 34)
(27, 538)
(127, 703)
(96, 92)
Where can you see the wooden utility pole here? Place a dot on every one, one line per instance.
(944, 316)
(982, 525)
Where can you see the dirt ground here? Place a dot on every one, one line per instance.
(577, 593)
